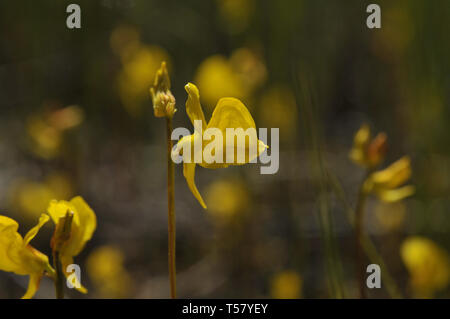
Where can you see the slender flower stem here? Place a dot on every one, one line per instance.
(359, 233)
(60, 236)
(171, 211)
(59, 282)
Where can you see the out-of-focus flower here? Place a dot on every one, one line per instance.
(17, 256)
(107, 272)
(286, 285)
(228, 113)
(216, 79)
(140, 62)
(249, 67)
(46, 129)
(162, 98)
(137, 76)
(227, 198)
(390, 216)
(125, 41)
(396, 34)
(238, 76)
(83, 226)
(368, 152)
(32, 198)
(279, 109)
(428, 265)
(386, 183)
(235, 14)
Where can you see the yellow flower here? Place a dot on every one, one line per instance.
(386, 183)
(368, 152)
(106, 270)
(228, 113)
(286, 285)
(428, 265)
(83, 226)
(17, 256)
(46, 129)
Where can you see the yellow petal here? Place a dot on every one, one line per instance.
(66, 261)
(231, 113)
(189, 174)
(10, 245)
(394, 195)
(58, 209)
(33, 286)
(33, 231)
(193, 106)
(394, 175)
(87, 222)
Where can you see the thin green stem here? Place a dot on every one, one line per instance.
(59, 276)
(366, 242)
(171, 211)
(60, 236)
(359, 225)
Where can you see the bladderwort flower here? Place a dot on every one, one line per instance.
(386, 184)
(19, 257)
(75, 224)
(229, 113)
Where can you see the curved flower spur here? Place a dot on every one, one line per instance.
(229, 115)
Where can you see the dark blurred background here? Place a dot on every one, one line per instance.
(76, 118)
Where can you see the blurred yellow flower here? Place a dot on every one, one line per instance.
(32, 197)
(107, 272)
(278, 108)
(137, 76)
(227, 198)
(17, 256)
(83, 226)
(235, 14)
(124, 41)
(216, 78)
(390, 216)
(368, 152)
(286, 285)
(238, 76)
(229, 113)
(249, 67)
(428, 265)
(386, 183)
(46, 129)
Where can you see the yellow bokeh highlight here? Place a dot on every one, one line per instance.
(286, 285)
(239, 76)
(139, 64)
(105, 266)
(278, 108)
(32, 197)
(428, 266)
(227, 198)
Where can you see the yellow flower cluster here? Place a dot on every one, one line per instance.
(18, 256)
(387, 183)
